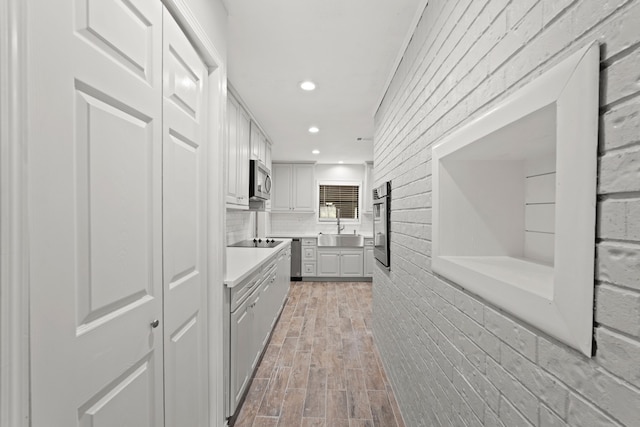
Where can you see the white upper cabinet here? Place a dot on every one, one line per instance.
(293, 187)
(258, 144)
(238, 146)
(367, 197)
(267, 160)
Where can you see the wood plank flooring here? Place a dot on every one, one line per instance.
(321, 368)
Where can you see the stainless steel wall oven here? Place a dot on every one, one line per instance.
(381, 223)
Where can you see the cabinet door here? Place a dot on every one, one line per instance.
(263, 149)
(281, 188)
(351, 263)
(268, 157)
(258, 309)
(265, 310)
(255, 142)
(284, 277)
(241, 350)
(328, 263)
(232, 151)
(303, 193)
(244, 146)
(368, 262)
(287, 275)
(367, 198)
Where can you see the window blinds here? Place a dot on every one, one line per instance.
(343, 197)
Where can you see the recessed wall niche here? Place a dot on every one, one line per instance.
(514, 195)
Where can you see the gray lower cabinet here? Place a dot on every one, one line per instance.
(368, 262)
(309, 255)
(243, 351)
(254, 308)
(339, 262)
(283, 278)
(328, 263)
(368, 257)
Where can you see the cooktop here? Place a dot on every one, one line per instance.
(257, 243)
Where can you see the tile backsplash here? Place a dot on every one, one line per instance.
(287, 223)
(240, 226)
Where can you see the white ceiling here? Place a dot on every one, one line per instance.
(349, 48)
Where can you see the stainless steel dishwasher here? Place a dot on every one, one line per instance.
(296, 260)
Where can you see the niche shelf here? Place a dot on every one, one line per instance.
(514, 195)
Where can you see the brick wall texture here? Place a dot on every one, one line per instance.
(453, 359)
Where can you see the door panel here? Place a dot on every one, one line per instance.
(94, 212)
(329, 263)
(303, 198)
(186, 371)
(129, 42)
(351, 263)
(124, 402)
(184, 225)
(114, 208)
(281, 192)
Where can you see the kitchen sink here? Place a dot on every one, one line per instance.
(341, 240)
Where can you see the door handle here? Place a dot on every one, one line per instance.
(155, 323)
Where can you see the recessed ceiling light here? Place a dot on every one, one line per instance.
(340, 162)
(307, 85)
(315, 152)
(314, 129)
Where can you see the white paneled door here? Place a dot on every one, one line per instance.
(94, 204)
(184, 209)
(116, 214)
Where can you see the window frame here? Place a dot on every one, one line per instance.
(338, 183)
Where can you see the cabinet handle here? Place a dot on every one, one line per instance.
(155, 323)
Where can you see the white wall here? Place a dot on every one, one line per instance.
(458, 360)
(340, 172)
(212, 16)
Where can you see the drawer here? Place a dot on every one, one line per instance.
(309, 242)
(309, 253)
(243, 290)
(267, 269)
(308, 268)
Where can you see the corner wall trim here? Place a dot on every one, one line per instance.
(14, 287)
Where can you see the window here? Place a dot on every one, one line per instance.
(343, 198)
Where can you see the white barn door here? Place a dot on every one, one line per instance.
(94, 212)
(185, 231)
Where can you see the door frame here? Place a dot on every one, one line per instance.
(14, 282)
(14, 237)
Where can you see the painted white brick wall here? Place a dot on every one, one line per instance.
(452, 358)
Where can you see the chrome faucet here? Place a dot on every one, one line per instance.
(338, 217)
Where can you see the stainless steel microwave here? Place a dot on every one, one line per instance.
(259, 181)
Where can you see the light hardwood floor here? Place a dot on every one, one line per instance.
(321, 367)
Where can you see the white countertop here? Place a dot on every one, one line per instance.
(241, 262)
